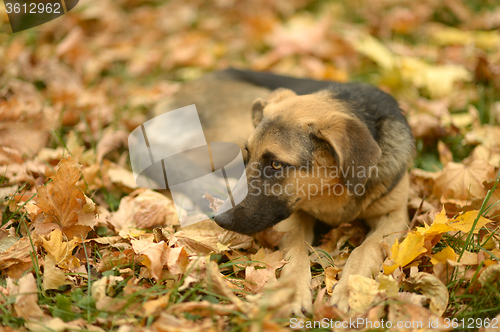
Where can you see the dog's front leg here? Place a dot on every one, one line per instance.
(367, 259)
(299, 233)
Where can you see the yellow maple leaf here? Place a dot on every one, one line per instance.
(438, 226)
(465, 221)
(444, 255)
(59, 249)
(53, 277)
(404, 253)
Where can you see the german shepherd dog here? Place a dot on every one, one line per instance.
(315, 150)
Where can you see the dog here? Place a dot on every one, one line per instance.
(315, 150)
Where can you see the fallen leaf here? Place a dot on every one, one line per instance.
(26, 304)
(259, 274)
(60, 250)
(143, 209)
(24, 122)
(445, 155)
(331, 278)
(17, 258)
(154, 254)
(444, 255)
(53, 277)
(459, 183)
(63, 205)
(153, 307)
(490, 275)
(452, 36)
(110, 141)
(177, 260)
(404, 253)
(433, 289)
(363, 292)
(465, 222)
(418, 318)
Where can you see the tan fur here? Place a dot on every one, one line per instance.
(291, 119)
(387, 216)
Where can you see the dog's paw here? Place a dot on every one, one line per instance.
(302, 303)
(340, 296)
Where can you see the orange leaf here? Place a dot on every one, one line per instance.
(64, 205)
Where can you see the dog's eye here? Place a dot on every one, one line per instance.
(276, 165)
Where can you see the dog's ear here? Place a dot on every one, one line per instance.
(259, 104)
(353, 147)
(258, 111)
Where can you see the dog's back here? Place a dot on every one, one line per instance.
(224, 100)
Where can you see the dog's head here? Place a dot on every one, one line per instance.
(305, 150)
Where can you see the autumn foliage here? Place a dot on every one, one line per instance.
(83, 248)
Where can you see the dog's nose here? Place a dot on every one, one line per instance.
(224, 220)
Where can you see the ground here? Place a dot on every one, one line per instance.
(83, 248)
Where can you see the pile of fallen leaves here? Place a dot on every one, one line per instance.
(83, 248)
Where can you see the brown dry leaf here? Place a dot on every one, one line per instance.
(363, 292)
(63, 205)
(485, 134)
(490, 275)
(155, 255)
(196, 244)
(259, 274)
(26, 304)
(322, 309)
(153, 307)
(168, 322)
(433, 289)
(331, 278)
(202, 308)
(445, 155)
(255, 279)
(143, 209)
(101, 288)
(302, 34)
(214, 281)
(236, 241)
(215, 203)
(91, 179)
(61, 250)
(110, 141)
(425, 126)
(177, 260)
(486, 152)
(269, 238)
(17, 258)
(421, 319)
(116, 258)
(24, 122)
(121, 176)
(58, 325)
(53, 277)
(275, 298)
(459, 183)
